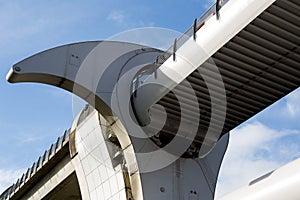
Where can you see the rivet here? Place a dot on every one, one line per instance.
(17, 69)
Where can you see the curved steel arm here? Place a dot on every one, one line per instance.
(90, 70)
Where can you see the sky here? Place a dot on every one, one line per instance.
(33, 115)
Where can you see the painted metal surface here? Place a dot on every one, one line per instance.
(282, 183)
(253, 49)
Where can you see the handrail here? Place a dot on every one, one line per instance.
(191, 31)
(36, 166)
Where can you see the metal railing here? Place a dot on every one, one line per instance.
(36, 166)
(178, 42)
(191, 31)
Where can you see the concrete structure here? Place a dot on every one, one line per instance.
(88, 163)
(163, 117)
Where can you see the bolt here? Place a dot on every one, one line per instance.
(17, 69)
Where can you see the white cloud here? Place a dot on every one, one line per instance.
(292, 104)
(117, 17)
(8, 177)
(254, 150)
(127, 21)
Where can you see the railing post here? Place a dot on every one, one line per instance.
(218, 7)
(174, 49)
(195, 29)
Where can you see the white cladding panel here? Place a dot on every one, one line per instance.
(104, 181)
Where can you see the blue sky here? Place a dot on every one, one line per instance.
(33, 115)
